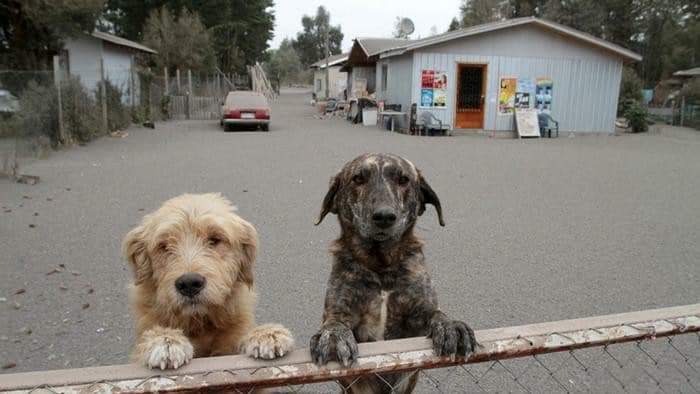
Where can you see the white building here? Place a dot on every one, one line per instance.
(82, 55)
(337, 78)
(474, 78)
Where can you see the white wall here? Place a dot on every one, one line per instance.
(586, 78)
(84, 54)
(338, 81)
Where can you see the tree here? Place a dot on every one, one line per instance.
(284, 65)
(311, 42)
(454, 24)
(476, 12)
(239, 29)
(32, 31)
(181, 42)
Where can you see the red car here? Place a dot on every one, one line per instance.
(245, 108)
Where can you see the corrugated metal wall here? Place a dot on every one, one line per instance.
(586, 79)
(399, 75)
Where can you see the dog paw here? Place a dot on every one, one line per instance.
(268, 341)
(165, 349)
(334, 343)
(452, 338)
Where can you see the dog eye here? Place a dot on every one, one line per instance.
(163, 246)
(403, 180)
(213, 240)
(358, 179)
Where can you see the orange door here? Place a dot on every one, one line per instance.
(470, 96)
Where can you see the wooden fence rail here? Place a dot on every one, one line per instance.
(241, 374)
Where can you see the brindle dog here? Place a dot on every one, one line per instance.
(379, 287)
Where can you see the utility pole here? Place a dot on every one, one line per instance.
(327, 44)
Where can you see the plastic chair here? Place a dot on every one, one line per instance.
(547, 125)
(430, 123)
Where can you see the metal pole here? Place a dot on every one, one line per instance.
(327, 44)
(103, 94)
(188, 96)
(57, 81)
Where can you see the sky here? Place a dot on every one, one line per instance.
(365, 18)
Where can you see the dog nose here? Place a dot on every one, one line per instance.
(190, 284)
(383, 217)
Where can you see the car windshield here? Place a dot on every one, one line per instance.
(246, 100)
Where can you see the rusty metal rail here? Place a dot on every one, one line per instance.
(241, 374)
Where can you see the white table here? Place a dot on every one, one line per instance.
(392, 114)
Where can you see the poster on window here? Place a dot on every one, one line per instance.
(506, 95)
(426, 97)
(524, 93)
(543, 95)
(427, 79)
(433, 88)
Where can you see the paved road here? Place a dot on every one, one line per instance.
(537, 230)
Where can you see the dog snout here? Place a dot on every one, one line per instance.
(384, 217)
(190, 284)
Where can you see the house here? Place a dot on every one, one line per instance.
(475, 78)
(362, 60)
(337, 78)
(81, 58)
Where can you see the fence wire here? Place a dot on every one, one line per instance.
(650, 353)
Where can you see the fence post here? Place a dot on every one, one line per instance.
(189, 93)
(682, 109)
(103, 94)
(165, 74)
(57, 81)
(177, 77)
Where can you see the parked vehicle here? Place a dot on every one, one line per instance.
(245, 108)
(9, 104)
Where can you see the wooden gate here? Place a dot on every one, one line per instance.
(195, 107)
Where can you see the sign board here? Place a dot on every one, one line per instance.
(433, 88)
(526, 122)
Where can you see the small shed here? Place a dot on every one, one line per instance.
(361, 65)
(82, 54)
(475, 78)
(336, 77)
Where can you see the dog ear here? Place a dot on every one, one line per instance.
(428, 196)
(134, 249)
(249, 247)
(329, 200)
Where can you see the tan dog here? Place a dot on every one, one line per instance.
(193, 290)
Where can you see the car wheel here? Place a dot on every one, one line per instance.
(227, 127)
(265, 127)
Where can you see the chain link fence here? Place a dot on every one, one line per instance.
(41, 110)
(646, 351)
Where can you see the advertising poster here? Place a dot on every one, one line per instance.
(525, 93)
(427, 79)
(426, 97)
(433, 88)
(440, 89)
(506, 96)
(543, 95)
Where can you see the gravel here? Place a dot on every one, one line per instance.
(537, 230)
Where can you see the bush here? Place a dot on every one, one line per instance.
(81, 114)
(630, 89)
(636, 114)
(118, 114)
(38, 114)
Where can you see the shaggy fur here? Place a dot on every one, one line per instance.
(196, 236)
(379, 286)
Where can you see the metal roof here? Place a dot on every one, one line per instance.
(374, 46)
(493, 26)
(332, 61)
(693, 72)
(121, 41)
